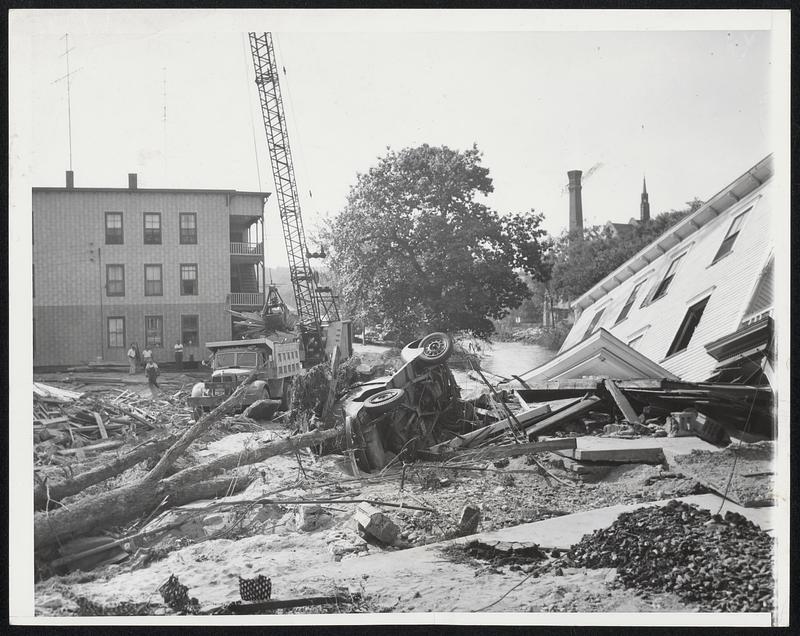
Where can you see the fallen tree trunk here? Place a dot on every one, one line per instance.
(55, 491)
(120, 506)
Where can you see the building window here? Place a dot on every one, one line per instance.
(116, 333)
(154, 331)
(188, 228)
(188, 280)
(114, 228)
(663, 286)
(594, 322)
(190, 330)
(115, 280)
(629, 303)
(153, 285)
(152, 228)
(689, 324)
(730, 238)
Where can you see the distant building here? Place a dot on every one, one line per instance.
(112, 266)
(698, 293)
(625, 229)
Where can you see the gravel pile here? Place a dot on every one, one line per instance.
(722, 564)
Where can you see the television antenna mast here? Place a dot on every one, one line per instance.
(69, 95)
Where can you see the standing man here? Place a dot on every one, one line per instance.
(178, 348)
(152, 372)
(147, 354)
(132, 359)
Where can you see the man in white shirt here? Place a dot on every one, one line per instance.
(178, 349)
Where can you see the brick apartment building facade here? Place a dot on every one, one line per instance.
(112, 266)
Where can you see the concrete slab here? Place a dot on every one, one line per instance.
(592, 448)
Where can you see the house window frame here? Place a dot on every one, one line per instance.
(189, 267)
(160, 280)
(594, 322)
(664, 284)
(111, 232)
(116, 333)
(626, 308)
(121, 281)
(196, 330)
(681, 341)
(147, 339)
(187, 235)
(151, 235)
(731, 235)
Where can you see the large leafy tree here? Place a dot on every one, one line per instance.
(416, 248)
(580, 264)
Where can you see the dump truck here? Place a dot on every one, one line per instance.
(275, 359)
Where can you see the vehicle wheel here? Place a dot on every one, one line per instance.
(436, 349)
(384, 401)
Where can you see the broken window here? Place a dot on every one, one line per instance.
(190, 330)
(188, 279)
(629, 303)
(689, 324)
(152, 228)
(154, 331)
(594, 322)
(116, 333)
(663, 286)
(153, 285)
(115, 280)
(188, 228)
(730, 238)
(114, 228)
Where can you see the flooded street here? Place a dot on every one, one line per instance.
(514, 358)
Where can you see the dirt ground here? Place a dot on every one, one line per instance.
(317, 549)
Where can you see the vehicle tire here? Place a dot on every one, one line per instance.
(384, 401)
(436, 349)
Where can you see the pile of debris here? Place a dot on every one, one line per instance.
(71, 424)
(720, 563)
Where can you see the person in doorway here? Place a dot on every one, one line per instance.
(147, 354)
(152, 372)
(132, 359)
(178, 349)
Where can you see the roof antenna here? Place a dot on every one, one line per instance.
(69, 96)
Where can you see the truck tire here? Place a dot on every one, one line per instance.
(384, 401)
(436, 349)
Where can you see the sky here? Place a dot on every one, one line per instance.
(170, 95)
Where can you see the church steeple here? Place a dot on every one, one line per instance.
(644, 206)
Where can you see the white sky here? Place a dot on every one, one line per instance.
(688, 108)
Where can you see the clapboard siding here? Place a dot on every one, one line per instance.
(731, 282)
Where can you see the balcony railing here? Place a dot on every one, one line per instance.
(246, 299)
(247, 249)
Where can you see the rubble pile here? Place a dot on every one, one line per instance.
(720, 563)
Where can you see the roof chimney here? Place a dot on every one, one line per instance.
(132, 180)
(575, 204)
(70, 179)
(644, 206)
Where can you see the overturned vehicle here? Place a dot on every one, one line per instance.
(407, 412)
(275, 362)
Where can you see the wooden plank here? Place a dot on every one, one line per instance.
(99, 419)
(523, 418)
(94, 447)
(515, 450)
(562, 416)
(621, 401)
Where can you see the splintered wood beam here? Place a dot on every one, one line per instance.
(621, 401)
(562, 417)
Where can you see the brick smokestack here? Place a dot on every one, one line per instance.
(70, 179)
(575, 203)
(132, 180)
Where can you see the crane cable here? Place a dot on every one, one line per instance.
(250, 107)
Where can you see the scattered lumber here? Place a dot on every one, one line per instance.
(515, 450)
(260, 607)
(621, 401)
(563, 416)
